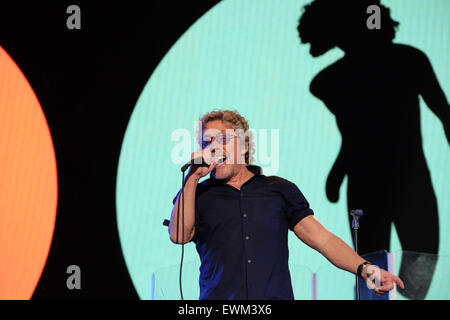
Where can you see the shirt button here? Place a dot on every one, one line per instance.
(249, 261)
(244, 215)
(247, 237)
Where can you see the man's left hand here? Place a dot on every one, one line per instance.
(380, 280)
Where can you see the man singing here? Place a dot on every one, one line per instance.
(239, 220)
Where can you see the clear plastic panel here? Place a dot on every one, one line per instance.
(166, 282)
(301, 278)
(426, 276)
(334, 284)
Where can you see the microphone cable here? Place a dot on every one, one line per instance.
(183, 169)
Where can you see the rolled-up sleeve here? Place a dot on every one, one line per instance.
(297, 207)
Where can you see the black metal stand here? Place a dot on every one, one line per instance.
(356, 214)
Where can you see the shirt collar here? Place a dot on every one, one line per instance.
(256, 170)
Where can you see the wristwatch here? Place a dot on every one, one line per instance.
(361, 267)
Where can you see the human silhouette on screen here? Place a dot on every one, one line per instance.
(373, 91)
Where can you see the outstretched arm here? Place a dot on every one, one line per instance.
(311, 232)
(433, 95)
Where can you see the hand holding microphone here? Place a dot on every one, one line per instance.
(203, 162)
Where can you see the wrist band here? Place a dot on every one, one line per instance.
(361, 267)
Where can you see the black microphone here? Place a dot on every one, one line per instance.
(199, 161)
(356, 214)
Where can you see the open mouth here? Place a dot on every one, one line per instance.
(222, 162)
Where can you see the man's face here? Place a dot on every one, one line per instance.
(222, 141)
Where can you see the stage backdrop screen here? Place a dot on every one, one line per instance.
(28, 184)
(247, 56)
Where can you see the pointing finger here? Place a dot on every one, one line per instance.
(398, 281)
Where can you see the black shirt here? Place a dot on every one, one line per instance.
(241, 236)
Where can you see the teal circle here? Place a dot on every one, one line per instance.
(246, 55)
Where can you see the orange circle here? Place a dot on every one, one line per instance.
(28, 184)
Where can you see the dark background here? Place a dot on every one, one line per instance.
(88, 82)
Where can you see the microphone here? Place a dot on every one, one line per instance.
(199, 161)
(356, 214)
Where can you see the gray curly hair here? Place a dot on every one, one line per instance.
(238, 123)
